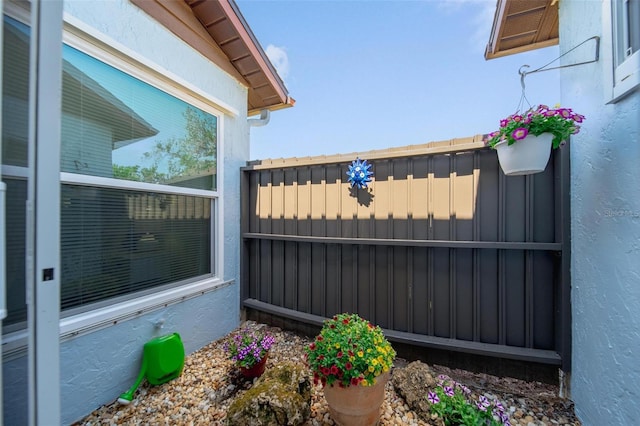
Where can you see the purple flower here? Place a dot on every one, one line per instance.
(448, 390)
(481, 407)
(564, 112)
(484, 401)
(433, 398)
(504, 122)
(519, 133)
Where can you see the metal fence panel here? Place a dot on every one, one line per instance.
(440, 246)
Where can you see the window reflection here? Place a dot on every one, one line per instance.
(115, 125)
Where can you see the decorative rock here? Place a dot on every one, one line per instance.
(281, 396)
(412, 383)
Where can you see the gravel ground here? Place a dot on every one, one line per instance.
(204, 391)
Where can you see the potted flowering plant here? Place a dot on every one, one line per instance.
(524, 141)
(249, 349)
(351, 358)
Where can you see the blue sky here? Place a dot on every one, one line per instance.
(373, 74)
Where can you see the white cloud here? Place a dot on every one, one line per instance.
(279, 59)
(480, 24)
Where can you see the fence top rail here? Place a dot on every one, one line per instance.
(441, 147)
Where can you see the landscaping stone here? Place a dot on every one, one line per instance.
(412, 383)
(281, 396)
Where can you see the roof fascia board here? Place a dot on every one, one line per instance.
(498, 24)
(520, 49)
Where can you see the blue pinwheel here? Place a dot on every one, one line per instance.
(359, 173)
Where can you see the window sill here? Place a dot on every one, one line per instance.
(15, 344)
(626, 87)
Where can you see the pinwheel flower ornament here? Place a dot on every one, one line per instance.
(359, 173)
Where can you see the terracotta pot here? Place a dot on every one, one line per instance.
(525, 157)
(256, 370)
(356, 405)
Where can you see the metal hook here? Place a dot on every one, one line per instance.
(522, 74)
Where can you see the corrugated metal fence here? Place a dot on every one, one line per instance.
(442, 250)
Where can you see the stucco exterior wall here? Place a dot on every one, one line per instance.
(605, 226)
(96, 367)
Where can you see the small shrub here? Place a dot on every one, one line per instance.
(454, 404)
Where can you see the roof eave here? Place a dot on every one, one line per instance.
(191, 21)
(239, 43)
(522, 25)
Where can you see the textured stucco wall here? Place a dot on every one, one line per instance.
(97, 367)
(605, 226)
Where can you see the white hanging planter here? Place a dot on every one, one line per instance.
(525, 157)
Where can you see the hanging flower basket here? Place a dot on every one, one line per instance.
(530, 155)
(524, 141)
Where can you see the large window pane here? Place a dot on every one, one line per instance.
(117, 242)
(114, 242)
(115, 125)
(15, 118)
(15, 250)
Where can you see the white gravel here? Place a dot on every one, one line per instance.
(209, 381)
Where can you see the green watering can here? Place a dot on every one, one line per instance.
(162, 361)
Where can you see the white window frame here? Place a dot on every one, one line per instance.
(96, 44)
(89, 41)
(625, 73)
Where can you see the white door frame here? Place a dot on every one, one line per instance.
(43, 212)
(3, 190)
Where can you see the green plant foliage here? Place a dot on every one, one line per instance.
(453, 403)
(350, 351)
(561, 123)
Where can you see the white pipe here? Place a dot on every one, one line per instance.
(265, 115)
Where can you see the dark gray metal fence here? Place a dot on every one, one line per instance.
(442, 250)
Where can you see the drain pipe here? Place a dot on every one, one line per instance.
(265, 115)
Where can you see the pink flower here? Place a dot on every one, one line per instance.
(519, 133)
(564, 112)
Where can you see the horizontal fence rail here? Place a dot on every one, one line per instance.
(406, 243)
(442, 250)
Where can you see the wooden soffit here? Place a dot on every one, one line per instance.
(521, 25)
(217, 30)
